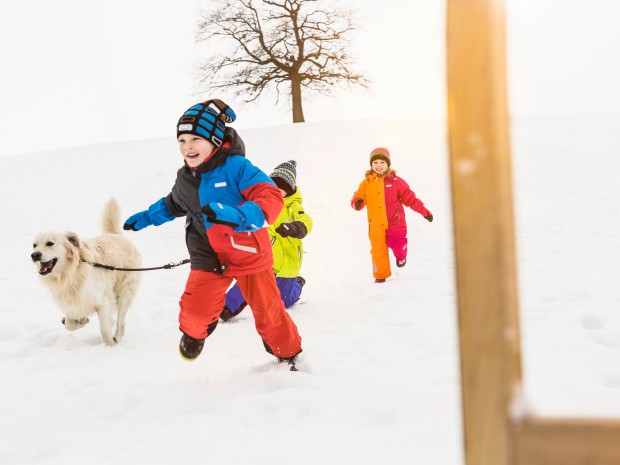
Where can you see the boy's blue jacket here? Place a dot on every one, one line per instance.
(227, 202)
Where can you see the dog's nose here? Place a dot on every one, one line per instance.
(36, 256)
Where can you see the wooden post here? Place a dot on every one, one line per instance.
(483, 226)
(485, 261)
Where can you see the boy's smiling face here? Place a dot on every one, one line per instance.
(379, 166)
(195, 149)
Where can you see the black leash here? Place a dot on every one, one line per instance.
(167, 266)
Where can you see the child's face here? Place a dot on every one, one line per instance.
(194, 149)
(379, 166)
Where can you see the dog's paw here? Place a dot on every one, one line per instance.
(110, 342)
(72, 324)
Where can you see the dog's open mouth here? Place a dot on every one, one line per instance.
(47, 267)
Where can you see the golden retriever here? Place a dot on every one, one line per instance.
(65, 265)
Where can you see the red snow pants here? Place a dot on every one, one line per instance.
(203, 301)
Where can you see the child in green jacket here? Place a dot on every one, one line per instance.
(286, 235)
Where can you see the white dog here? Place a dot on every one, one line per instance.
(65, 265)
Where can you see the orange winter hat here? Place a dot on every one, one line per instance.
(382, 153)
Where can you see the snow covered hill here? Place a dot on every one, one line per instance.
(379, 379)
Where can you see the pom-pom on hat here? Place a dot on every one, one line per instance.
(382, 153)
(285, 176)
(206, 119)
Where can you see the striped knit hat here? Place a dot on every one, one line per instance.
(206, 119)
(382, 153)
(285, 176)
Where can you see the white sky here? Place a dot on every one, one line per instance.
(78, 73)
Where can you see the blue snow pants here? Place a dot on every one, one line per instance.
(290, 291)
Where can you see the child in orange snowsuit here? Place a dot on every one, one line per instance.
(384, 194)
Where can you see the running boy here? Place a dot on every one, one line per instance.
(227, 202)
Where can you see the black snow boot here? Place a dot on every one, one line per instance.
(290, 360)
(189, 347)
(226, 314)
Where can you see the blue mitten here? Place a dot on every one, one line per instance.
(159, 213)
(138, 221)
(156, 214)
(245, 218)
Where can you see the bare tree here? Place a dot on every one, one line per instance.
(295, 43)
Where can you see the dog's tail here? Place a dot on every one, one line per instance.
(111, 217)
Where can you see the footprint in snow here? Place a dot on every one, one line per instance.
(592, 322)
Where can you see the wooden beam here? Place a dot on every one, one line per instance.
(483, 226)
(485, 260)
(558, 441)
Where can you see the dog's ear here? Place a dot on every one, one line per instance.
(73, 239)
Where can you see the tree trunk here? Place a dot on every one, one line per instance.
(298, 111)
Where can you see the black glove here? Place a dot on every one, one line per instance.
(429, 217)
(295, 229)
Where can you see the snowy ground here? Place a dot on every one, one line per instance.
(379, 379)
(568, 216)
